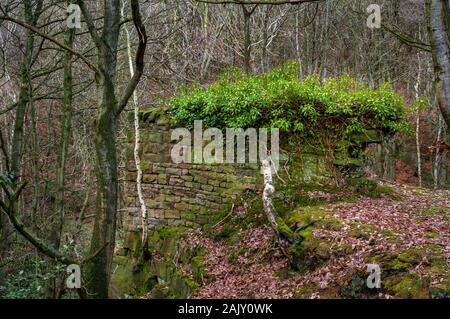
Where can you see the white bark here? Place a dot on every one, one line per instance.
(268, 192)
(137, 140)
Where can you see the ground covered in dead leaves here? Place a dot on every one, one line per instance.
(408, 235)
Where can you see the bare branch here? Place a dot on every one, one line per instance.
(51, 39)
(139, 60)
(257, 2)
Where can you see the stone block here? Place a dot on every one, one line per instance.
(201, 179)
(181, 206)
(172, 214)
(149, 178)
(173, 198)
(208, 188)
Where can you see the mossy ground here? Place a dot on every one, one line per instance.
(333, 234)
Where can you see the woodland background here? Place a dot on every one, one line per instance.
(50, 109)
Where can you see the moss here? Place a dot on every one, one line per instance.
(432, 234)
(392, 236)
(293, 195)
(305, 291)
(171, 232)
(370, 188)
(355, 286)
(193, 285)
(437, 268)
(412, 256)
(407, 286)
(342, 250)
(236, 254)
(285, 230)
(160, 277)
(154, 114)
(440, 292)
(305, 216)
(227, 232)
(146, 166)
(310, 252)
(441, 212)
(419, 191)
(331, 223)
(361, 230)
(388, 191)
(398, 265)
(395, 262)
(198, 269)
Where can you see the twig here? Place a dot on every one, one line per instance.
(225, 218)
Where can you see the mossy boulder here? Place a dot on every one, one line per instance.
(371, 188)
(356, 287)
(401, 280)
(159, 277)
(309, 253)
(407, 286)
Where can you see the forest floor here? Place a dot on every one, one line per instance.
(406, 232)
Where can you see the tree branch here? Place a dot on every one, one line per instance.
(139, 60)
(9, 209)
(91, 26)
(51, 39)
(404, 38)
(3, 147)
(256, 2)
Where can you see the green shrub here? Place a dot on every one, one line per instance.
(333, 108)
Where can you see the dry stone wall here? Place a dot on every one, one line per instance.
(180, 194)
(189, 194)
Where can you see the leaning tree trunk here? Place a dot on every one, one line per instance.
(435, 10)
(137, 158)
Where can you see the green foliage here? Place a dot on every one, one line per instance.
(420, 105)
(370, 188)
(340, 107)
(27, 282)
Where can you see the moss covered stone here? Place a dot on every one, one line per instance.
(159, 277)
(407, 286)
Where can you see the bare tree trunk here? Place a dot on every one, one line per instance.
(98, 270)
(65, 136)
(298, 44)
(247, 38)
(52, 288)
(21, 110)
(437, 154)
(137, 158)
(419, 158)
(265, 43)
(439, 38)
